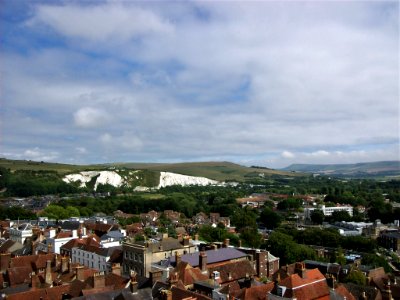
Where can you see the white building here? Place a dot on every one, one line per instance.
(21, 233)
(55, 241)
(328, 211)
(94, 257)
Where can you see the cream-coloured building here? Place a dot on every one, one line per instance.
(138, 256)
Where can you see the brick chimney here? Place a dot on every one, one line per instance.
(185, 241)
(35, 282)
(226, 243)
(64, 264)
(133, 283)
(116, 269)
(300, 269)
(203, 261)
(49, 248)
(5, 259)
(79, 273)
(48, 277)
(261, 263)
(178, 258)
(99, 281)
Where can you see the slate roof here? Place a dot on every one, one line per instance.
(357, 290)
(213, 256)
(114, 234)
(6, 246)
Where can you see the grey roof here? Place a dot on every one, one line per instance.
(70, 225)
(213, 256)
(114, 234)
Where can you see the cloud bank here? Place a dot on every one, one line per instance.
(265, 82)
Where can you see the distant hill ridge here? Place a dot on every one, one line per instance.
(368, 169)
(219, 171)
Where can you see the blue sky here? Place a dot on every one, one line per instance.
(266, 83)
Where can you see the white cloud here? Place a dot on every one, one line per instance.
(89, 117)
(245, 79)
(101, 23)
(39, 155)
(81, 150)
(287, 154)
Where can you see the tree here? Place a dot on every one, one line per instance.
(342, 215)
(356, 276)
(244, 217)
(270, 218)
(317, 216)
(250, 237)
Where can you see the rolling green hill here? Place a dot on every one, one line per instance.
(221, 171)
(371, 169)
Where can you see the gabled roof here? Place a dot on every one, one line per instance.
(188, 275)
(259, 292)
(312, 285)
(236, 270)
(18, 275)
(180, 294)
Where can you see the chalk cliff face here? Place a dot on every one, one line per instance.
(115, 179)
(103, 177)
(167, 179)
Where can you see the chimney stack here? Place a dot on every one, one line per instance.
(300, 269)
(5, 259)
(79, 273)
(99, 281)
(203, 261)
(35, 283)
(116, 269)
(64, 264)
(178, 258)
(226, 243)
(134, 284)
(48, 277)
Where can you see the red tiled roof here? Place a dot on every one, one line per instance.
(237, 270)
(312, 285)
(259, 292)
(342, 291)
(18, 275)
(54, 293)
(180, 294)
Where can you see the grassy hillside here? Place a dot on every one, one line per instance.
(15, 165)
(221, 171)
(382, 168)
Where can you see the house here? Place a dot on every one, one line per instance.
(390, 239)
(21, 232)
(302, 285)
(94, 257)
(140, 255)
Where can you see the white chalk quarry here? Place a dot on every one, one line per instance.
(168, 179)
(104, 177)
(114, 179)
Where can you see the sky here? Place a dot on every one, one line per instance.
(253, 82)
